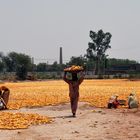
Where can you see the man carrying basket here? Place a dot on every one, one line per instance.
(74, 86)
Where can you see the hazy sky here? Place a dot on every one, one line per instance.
(39, 27)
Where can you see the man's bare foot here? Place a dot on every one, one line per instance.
(74, 115)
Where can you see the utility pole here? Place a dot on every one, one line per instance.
(61, 57)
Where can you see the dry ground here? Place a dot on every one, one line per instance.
(90, 124)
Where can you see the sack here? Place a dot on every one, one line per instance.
(122, 102)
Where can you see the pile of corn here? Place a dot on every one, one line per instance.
(28, 94)
(21, 120)
(74, 68)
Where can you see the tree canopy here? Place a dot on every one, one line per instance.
(97, 48)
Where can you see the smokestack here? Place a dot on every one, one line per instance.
(61, 57)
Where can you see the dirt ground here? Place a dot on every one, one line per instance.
(90, 124)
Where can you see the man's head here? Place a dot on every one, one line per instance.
(3, 88)
(74, 77)
(132, 94)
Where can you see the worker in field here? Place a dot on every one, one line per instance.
(4, 97)
(74, 90)
(132, 101)
(113, 102)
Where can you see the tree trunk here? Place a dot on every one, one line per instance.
(97, 67)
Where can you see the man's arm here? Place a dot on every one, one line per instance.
(64, 77)
(81, 77)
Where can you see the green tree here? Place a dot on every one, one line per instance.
(90, 64)
(8, 64)
(1, 62)
(119, 62)
(21, 72)
(77, 61)
(55, 67)
(19, 63)
(97, 48)
(1, 66)
(42, 67)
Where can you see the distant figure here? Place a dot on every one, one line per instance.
(4, 96)
(132, 101)
(74, 90)
(113, 102)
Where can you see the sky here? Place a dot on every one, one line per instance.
(40, 27)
